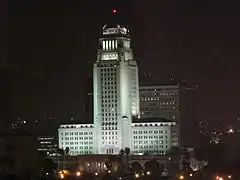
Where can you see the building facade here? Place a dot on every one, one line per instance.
(77, 137)
(116, 104)
(162, 102)
(152, 137)
(115, 85)
(48, 144)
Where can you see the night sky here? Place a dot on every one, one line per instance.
(53, 46)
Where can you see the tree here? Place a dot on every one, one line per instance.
(61, 153)
(154, 167)
(136, 167)
(122, 162)
(49, 166)
(127, 152)
(121, 152)
(108, 163)
(67, 150)
(175, 154)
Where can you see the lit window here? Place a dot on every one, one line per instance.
(113, 44)
(110, 45)
(104, 47)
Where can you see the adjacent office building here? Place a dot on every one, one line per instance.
(116, 104)
(160, 101)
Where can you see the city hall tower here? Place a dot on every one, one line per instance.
(115, 91)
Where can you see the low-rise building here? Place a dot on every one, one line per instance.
(148, 136)
(77, 137)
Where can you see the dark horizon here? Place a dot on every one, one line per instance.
(53, 46)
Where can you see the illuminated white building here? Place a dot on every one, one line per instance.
(116, 92)
(116, 104)
(77, 137)
(152, 137)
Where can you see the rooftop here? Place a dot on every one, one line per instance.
(151, 120)
(114, 30)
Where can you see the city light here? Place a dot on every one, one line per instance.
(61, 176)
(229, 177)
(190, 175)
(96, 174)
(114, 10)
(181, 177)
(219, 178)
(78, 173)
(137, 175)
(148, 173)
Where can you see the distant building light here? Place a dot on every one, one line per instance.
(230, 131)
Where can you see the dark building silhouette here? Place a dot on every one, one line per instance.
(189, 116)
(5, 98)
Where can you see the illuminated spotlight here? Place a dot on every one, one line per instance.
(61, 176)
(229, 177)
(120, 178)
(220, 178)
(96, 174)
(136, 175)
(114, 11)
(78, 173)
(148, 173)
(109, 171)
(181, 177)
(190, 175)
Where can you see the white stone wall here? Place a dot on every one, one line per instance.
(78, 138)
(151, 138)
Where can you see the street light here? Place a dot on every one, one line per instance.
(137, 175)
(181, 177)
(78, 173)
(61, 176)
